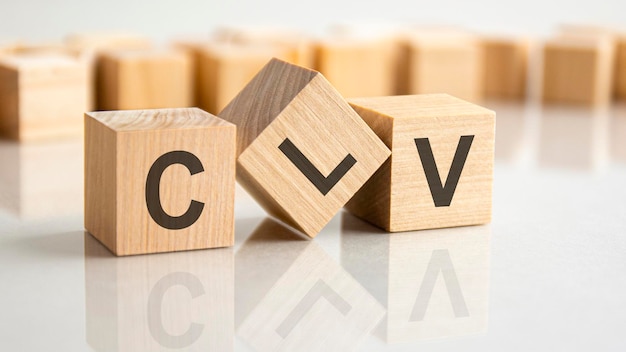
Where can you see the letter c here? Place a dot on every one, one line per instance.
(153, 195)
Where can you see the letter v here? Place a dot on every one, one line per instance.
(442, 195)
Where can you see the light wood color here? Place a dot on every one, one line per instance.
(144, 79)
(147, 303)
(620, 68)
(358, 67)
(42, 96)
(444, 62)
(578, 70)
(223, 69)
(505, 67)
(120, 149)
(398, 197)
(287, 101)
(99, 41)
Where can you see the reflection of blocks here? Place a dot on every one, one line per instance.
(449, 64)
(138, 186)
(577, 71)
(434, 284)
(306, 301)
(144, 79)
(42, 96)
(159, 303)
(303, 151)
(505, 67)
(358, 67)
(441, 168)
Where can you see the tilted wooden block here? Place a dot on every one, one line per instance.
(358, 67)
(505, 67)
(223, 69)
(303, 152)
(42, 96)
(441, 169)
(144, 79)
(578, 70)
(444, 63)
(139, 195)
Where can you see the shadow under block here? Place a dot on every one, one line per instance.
(159, 180)
(358, 68)
(444, 64)
(42, 96)
(223, 70)
(505, 67)
(144, 79)
(578, 71)
(303, 152)
(441, 169)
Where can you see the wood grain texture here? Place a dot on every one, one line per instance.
(144, 79)
(405, 200)
(578, 71)
(445, 63)
(286, 101)
(505, 67)
(42, 96)
(115, 179)
(223, 69)
(358, 67)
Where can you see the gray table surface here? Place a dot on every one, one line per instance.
(549, 272)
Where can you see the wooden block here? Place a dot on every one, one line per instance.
(578, 71)
(434, 284)
(223, 69)
(99, 41)
(136, 203)
(42, 96)
(505, 67)
(441, 169)
(286, 303)
(144, 79)
(358, 67)
(620, 69)
(448, 63)
(303, 152)
(171, 301)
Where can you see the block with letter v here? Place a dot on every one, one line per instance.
(303, 152)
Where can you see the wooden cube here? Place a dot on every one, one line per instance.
(139, 195)
(223, 69)
(303, 152)
(441, 169)
(171, 301)
(286, 303)
(42, 96)
(358, 67)
(444, 63)
(99, 41)
(434, 284)
(505, 67)
(578, 71)
(144, 79)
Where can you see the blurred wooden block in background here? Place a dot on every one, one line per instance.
(138, 186)
(303, 152)
(358, 67)
(223, 69)
(98, 41)
(445, 62)
(441, 169)
(144, 79)
(578, 70)
(620, 68)
(42, 96)
(505, 67)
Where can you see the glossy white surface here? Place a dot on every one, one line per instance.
(549, 273)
